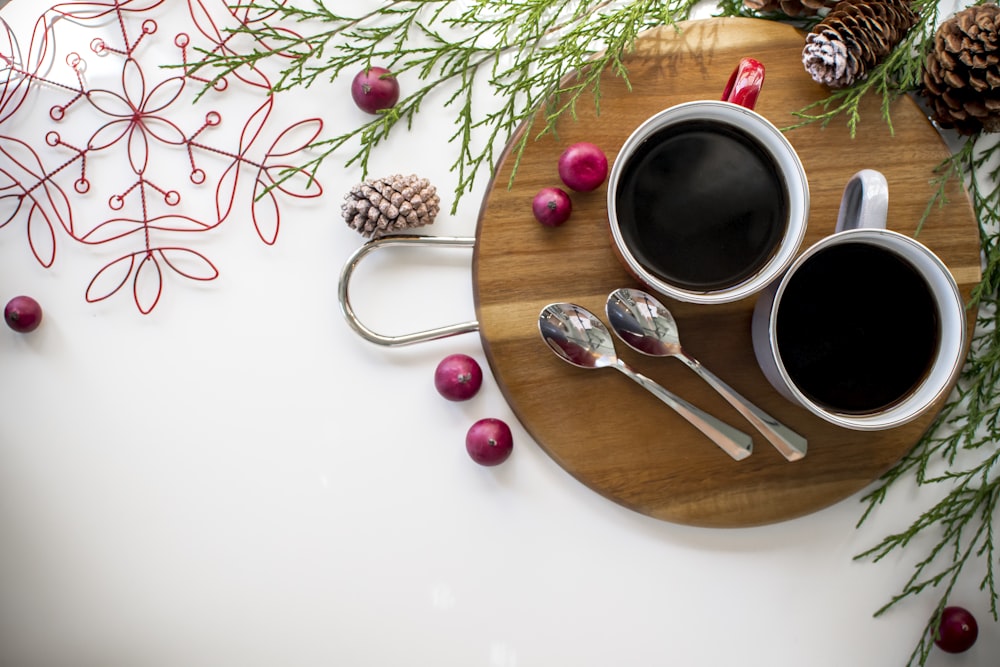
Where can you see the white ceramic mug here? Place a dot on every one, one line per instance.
(735, 112)
(862, 220)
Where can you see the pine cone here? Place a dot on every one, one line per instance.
(854, 37)
(962, 77)
(789, 7)
(382, 205)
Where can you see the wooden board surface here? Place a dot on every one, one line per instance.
(608, 432)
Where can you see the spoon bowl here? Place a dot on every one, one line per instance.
(578, 337)
(646, 325)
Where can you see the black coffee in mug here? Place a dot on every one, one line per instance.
(702, 205)
(857, 328)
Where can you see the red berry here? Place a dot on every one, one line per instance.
(958, 630)
(458, 377)
(375, 89)
(551, 206)
(583, 167)
(489, 441)
(23, 314)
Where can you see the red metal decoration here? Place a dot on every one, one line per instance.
(138, 126)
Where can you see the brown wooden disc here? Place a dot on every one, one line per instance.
(608, 432)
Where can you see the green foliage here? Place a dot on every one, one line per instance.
(960, 450)
(524, 51)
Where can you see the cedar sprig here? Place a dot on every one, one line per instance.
(524, 50)
(960, 450)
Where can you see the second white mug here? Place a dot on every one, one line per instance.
(867, 328)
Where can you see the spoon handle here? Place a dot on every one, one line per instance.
(736, 443)
(791, 445)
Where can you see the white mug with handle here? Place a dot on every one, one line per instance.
(828, 340)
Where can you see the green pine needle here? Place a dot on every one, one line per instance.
(960, 450)
(523, 50)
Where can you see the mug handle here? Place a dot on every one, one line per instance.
(865, 203)
(745, 83)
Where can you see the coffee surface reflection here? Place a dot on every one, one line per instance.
(857, 328)
(702, 205)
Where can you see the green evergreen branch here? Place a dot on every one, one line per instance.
(532, 53)
(961, 523)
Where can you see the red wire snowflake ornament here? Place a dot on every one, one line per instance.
(141, 140)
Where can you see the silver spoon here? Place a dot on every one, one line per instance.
(645, 325)
(577, 336)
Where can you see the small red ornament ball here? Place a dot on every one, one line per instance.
(551, 206)
(22, 314)
(375, 89)
(458, 377)
(958, 630)
(489, 441)
(583, 166)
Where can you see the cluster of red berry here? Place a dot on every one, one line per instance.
(489, 441)
(583, 166)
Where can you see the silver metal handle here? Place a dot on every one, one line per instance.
(734, 442)
(343, 290)
(791, 445)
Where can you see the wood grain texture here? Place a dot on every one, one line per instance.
(609, 433)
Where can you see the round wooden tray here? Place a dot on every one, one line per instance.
(608, 432)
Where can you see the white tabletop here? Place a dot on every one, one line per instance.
(238, 479)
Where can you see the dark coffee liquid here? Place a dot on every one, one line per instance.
(857, 328)
(701, 205)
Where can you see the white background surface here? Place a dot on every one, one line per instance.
(237, 479)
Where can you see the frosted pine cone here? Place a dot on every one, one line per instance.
(853, 38)
(962, 76)
(383, 205)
